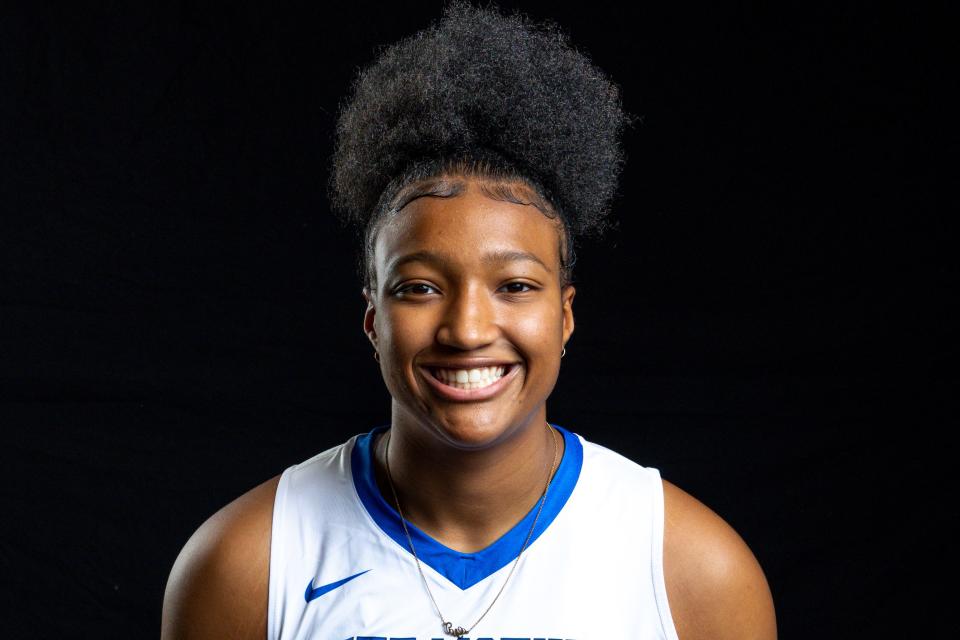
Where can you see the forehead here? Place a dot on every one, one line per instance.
(466, 228)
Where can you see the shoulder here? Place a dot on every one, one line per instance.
(218, 585)
(715, 586)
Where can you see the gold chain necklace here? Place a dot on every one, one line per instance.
(448, 627)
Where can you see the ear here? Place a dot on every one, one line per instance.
(368, 318)
(566, 298)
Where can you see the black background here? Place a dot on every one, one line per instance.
(771, 326)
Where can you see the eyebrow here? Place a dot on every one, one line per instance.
(491, 258)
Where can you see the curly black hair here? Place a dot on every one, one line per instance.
(485, 94)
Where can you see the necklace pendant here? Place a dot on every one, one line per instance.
(449, 629)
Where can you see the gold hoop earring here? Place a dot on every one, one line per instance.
(376, 355)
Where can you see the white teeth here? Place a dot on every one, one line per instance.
(469, 378)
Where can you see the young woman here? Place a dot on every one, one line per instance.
(472, 155)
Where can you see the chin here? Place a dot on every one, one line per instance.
(472, 433)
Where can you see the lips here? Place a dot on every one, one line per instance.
(449, 392)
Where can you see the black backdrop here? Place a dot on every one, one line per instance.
(180, 318)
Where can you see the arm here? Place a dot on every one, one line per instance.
(218, 585)
(715, 586)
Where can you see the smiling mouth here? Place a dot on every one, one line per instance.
(470, 379)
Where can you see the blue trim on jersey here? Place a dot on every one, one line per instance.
(464, 569)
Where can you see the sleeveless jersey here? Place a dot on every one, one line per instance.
(341, 566)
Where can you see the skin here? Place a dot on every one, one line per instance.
(466, 472)
(455, 305)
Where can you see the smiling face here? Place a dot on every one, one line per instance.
(469, 316)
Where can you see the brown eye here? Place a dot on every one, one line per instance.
(417, 288)
(517, 287)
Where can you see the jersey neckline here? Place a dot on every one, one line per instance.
(464, 569)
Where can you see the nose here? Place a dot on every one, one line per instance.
(469, 319)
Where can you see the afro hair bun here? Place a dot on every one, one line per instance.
(481, 87)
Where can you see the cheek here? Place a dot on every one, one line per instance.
(538, 329)
(404, 332)
(397, 344)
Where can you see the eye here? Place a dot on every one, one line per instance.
(517, 287)
(416, 289)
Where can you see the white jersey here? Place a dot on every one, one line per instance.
(341, 566)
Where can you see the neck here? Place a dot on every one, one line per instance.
(467, 499)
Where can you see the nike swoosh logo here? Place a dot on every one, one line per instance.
(313, 594)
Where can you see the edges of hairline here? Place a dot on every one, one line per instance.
(493, 183)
